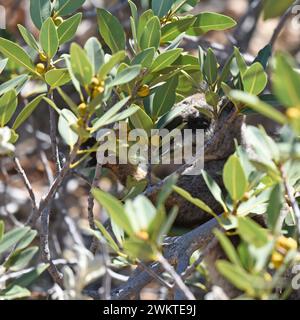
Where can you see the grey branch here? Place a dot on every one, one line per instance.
(174, 250)
(284, 18)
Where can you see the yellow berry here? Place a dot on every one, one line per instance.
(58, 21)
(277, 260)
(82, 109)
(43, 57)
(286, 243)
(143, 91)
(97, 91)
(143, 235)
(95, 82)
(40, 68)
(293, 113)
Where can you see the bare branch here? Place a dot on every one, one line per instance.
(176, 277)
(284, 18)
(174, 250)
(27, 183)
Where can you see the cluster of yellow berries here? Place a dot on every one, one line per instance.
(96, 87)
(168, 19)
(282, 247)
(143, 91)
(41, 67)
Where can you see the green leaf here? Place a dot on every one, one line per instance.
(166, 190)
(12, 237)
(236, 275)
(161, 8)
(234, 178)
(274, 8)
(8, 105)
(28, 278)
(28, 38)
(134, 12)
(210, 67)
(49, 38)
(95, 54)
(139, 249)
(27, 111)
(107, 236)
(172, 30)
(140, 212)
(2, 229)
(144, 58)
(241, 63)
(256, 104)
(125, 76)
(251, 232)
(151, 34)
(111, 30)
(164, 98)
(110, 64)
(144, 18)
(208, 21)
(19, 260)
(110, 116)
(26, 240)
(66, 120)
(81, 65)
(66, 31)
(170, 116)
(141, 120)
(288, 90)
(16, 54)
(57, 77)
(68, 100)
(3, 64)
(40, 11)
(228, 247)
(197, 202)
(275, 205)
(114, 208)
(264, 55)
(214, 189)
(16, 83)
(66, 7)
(14, 292)
(165, 59)
(255, 79)
(75, 82)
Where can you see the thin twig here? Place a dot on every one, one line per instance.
(176, 277)
(284, 18)
(46, 200)
(27, 183)
(45, 250)
(53, 129)
(155, 276)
